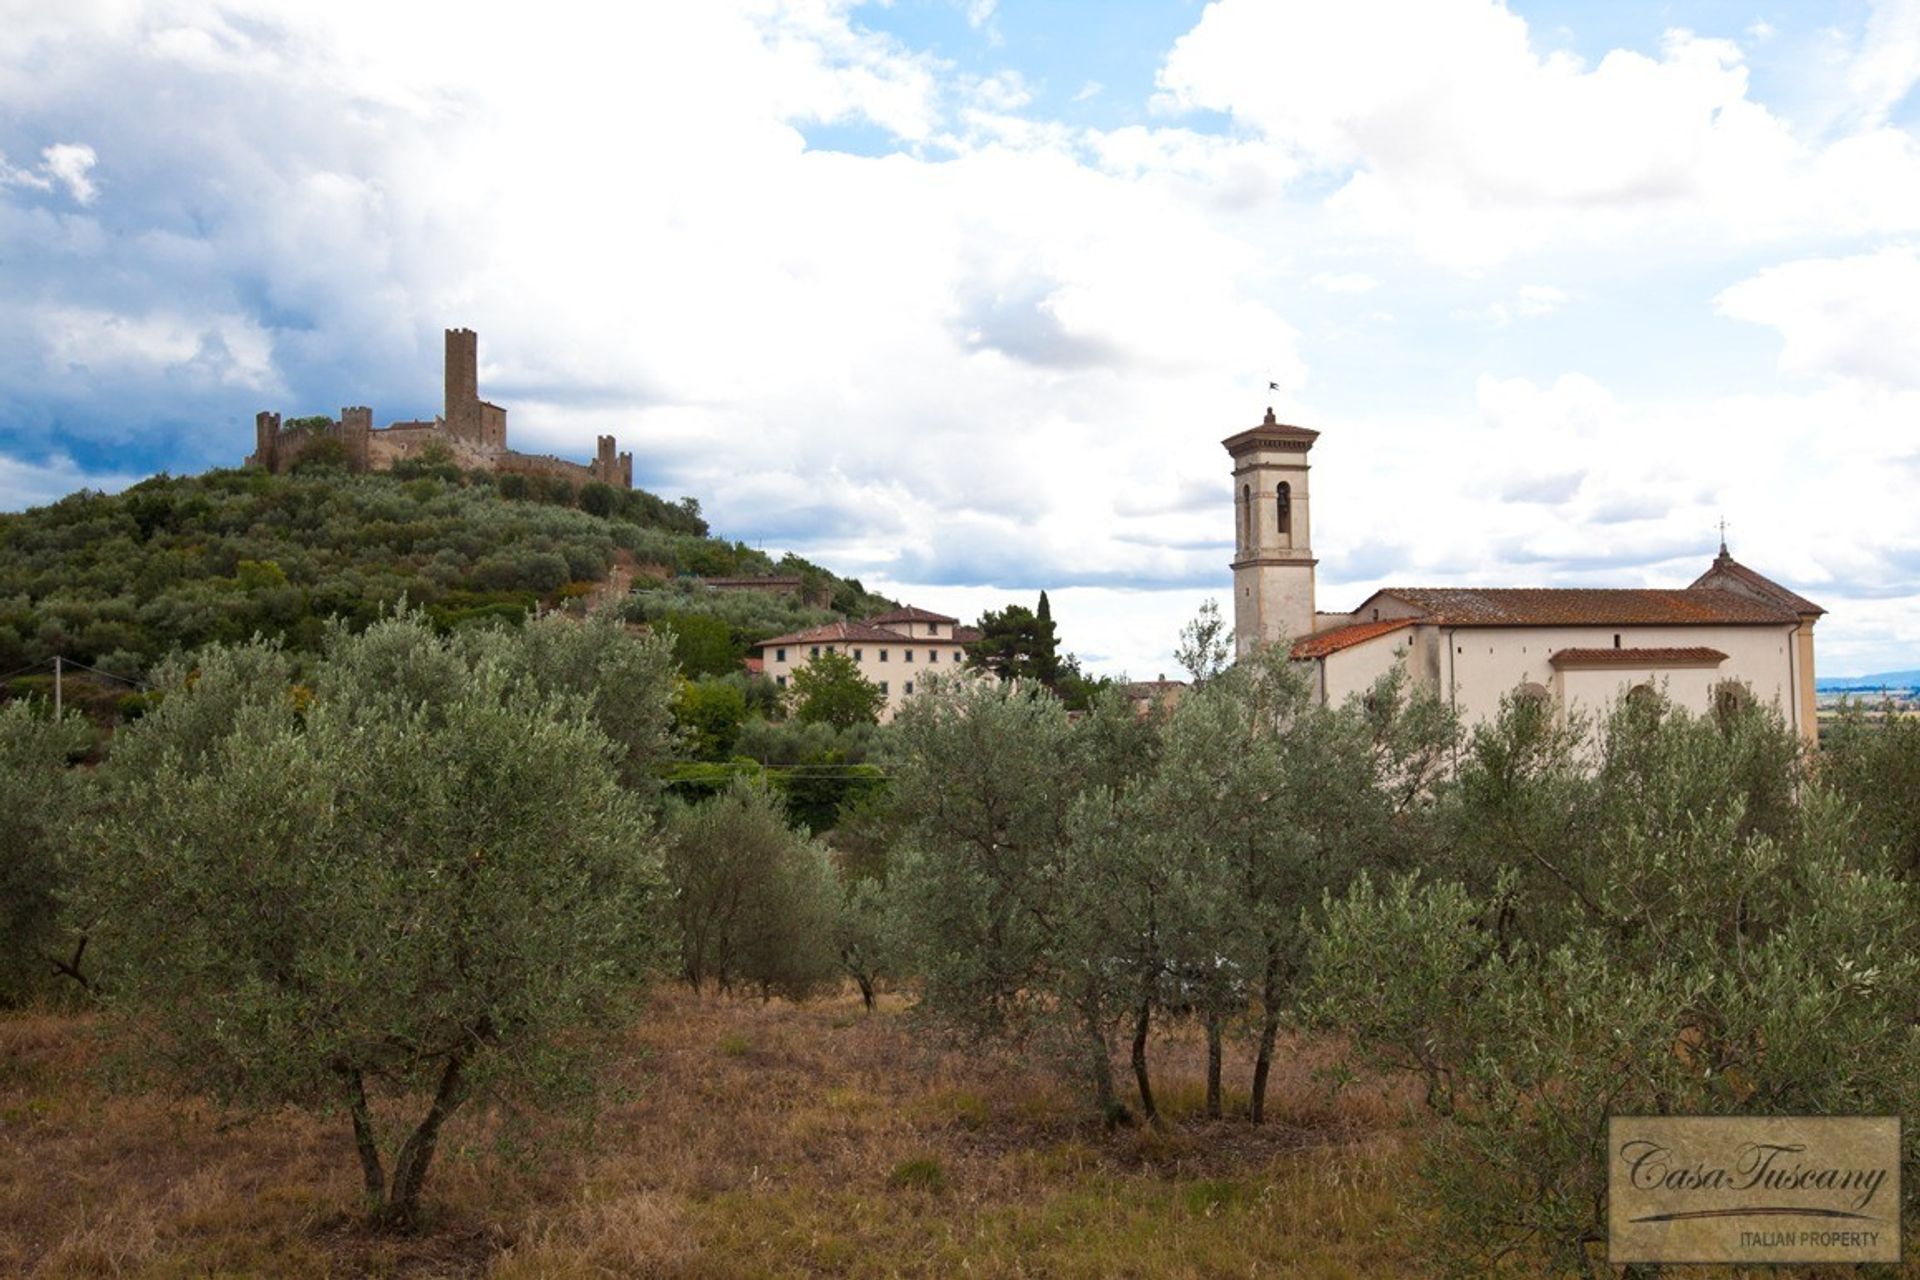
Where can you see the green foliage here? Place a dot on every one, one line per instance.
(323, 455)
(181, 562)
(1017, 643)
(709, 714)
(755, 902)
(417, 873)
(42, 804)
(1662, 918)
(704, 645)
(1874, 763)
(829, 689)
(1206, 645)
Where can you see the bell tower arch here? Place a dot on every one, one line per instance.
(1273, 551)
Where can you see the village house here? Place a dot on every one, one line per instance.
(897, 651)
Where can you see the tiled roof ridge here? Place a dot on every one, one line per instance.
(839, 631)
(1593, 606)
(1322, 643)
(1637, 657)
(909, 613)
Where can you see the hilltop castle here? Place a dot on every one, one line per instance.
(472, 434)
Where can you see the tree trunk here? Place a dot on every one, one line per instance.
(1269, 1028)
(866, 990)
(363, 1139)
(1142, 1019)
(410, 1170)
(1100, 1064)
(1213, 1065)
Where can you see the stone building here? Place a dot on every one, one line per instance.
(1731, 634)
(897, 650)
(471, 433)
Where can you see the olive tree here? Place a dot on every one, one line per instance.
(1699, 939)
(40, 808)
(416, 875)
(755, 901)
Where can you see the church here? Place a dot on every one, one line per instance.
(1732, 634)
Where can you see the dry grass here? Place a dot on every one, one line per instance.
(759, 1139)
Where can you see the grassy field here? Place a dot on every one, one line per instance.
(759, 1139)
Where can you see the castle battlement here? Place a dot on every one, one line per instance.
(471, 431)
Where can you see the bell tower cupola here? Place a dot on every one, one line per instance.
(1273, 548)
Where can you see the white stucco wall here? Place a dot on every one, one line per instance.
(895, 672)
(1475, 666)
(1482, 663)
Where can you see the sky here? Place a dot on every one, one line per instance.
(960, 297)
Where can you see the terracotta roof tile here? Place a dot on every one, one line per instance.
(966, 635)
(835, 632)
(1686, 657)
(910, 614)
(1323, 643)
(1754, 583)
(1587, 606)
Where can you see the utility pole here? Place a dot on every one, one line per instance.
(56, 688)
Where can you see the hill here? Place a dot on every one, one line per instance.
(118, 581)
(1882, 680)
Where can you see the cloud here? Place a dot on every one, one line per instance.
(1453, 133)
(1855, 317)
(1887, 64)
(64, 164)
(1348, 282)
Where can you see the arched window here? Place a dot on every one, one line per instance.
(1285, 496)
(1246, 515)
(1730, 698)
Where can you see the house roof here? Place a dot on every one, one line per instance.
(910, 614)
(966, 635)
(1323, 643)
(1586, 606)
(834, 632)
(1686, 657)
(1742, 580)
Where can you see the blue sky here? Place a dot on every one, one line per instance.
(961, 296)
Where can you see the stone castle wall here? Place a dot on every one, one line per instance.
(473, 433)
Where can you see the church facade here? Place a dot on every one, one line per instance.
(1731, 634)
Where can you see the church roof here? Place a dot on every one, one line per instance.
(1728, 573)
(1272, 433)
(1323, 643)
(1697, 656)
(1588, 606)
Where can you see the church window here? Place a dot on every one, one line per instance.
(1284, 507)
(1616, 639)
(1533, 692)
(1730, 698)
(1642, 696)
(1246, 515)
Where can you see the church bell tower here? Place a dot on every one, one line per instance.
(1273, 551)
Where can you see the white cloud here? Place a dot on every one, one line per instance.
(1855, 318)
(228, 349)
(64, 164)
(1344, 281)
(1453, 133)
(1887, 64)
